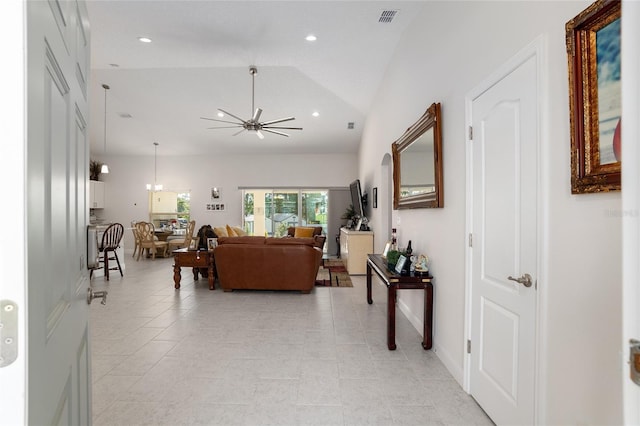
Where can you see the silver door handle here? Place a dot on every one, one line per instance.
(95, 294)
(525, 280)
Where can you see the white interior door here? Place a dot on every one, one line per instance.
(58, 379)
(504, 247)
(630, 200)
(12, 259)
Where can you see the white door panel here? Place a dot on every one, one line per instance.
(630, 51)
(504, 227)
(58, 387)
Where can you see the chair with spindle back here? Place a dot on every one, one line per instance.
(109, 243)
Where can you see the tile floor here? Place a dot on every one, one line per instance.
(201, 357)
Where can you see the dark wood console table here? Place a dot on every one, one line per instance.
(394, 282)
(197, 259)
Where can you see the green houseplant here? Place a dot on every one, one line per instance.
(392, 258)
(349, 213)
(95, 168)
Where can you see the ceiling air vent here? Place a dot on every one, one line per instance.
(387, 16)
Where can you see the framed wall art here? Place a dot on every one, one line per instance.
(593, 50)
(215, 207)
(216, 193)
(375, 197)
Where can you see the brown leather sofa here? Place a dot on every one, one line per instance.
(259, 263)
(318, 238)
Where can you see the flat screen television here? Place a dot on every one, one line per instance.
(356, 198)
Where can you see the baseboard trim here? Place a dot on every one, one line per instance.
(444, 356)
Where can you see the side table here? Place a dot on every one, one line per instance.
(394, 282)
(196, 259)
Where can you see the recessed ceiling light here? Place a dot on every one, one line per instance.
(144, 39)
(220, 114)
(315, 113)
(311, 37)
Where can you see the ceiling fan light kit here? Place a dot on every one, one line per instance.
(253, 124)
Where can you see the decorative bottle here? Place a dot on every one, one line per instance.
(394, 241)
(409, 249)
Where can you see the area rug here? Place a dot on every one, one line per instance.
(332, 273)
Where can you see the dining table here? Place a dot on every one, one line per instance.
(163, 234)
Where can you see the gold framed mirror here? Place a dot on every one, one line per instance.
(417, 164)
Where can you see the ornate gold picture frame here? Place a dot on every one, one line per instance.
(593, 49)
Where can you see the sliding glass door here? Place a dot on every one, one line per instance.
(270, 212)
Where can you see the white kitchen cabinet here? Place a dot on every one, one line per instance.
(163, 202)
(96, 194)
(354, 248)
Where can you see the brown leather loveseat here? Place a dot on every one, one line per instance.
(314, 232)
(259, 263)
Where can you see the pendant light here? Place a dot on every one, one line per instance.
(156, 185)
(105, 168)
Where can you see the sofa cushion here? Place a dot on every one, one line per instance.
(290, 241)
(303, 232)
(255, 240)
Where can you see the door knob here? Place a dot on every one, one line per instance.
(525, 280)
(95, 294)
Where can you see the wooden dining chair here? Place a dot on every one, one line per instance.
(109, 244)
(183, 242)
(136, 238)
(146, 233)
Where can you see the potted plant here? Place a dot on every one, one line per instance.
(95, 168)
(349, 214)
(392, 258)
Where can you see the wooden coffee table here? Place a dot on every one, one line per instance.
(196, 259)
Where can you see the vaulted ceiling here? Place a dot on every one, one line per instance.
(199, 58)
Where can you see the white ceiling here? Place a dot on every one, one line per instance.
(199, 61)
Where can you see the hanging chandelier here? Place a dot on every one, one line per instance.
(156, 186)
(105, 168)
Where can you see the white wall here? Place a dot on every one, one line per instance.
(450, 48)
(126, 197)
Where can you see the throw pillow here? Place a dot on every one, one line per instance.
(231, 232)
(221, 231)
(303, 232)
(239, 231)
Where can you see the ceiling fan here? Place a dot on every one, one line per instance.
(254, 123)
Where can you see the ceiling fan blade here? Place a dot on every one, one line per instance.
(280, 120)
(225, 127)
(222, 121)
(282, 128)
(237, 133)
(228, 113)
(276, 132)
(259, 134)
(256, 115)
